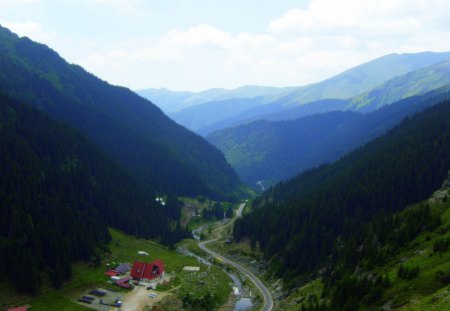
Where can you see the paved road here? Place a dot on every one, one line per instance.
(239, 210)
(196, 232)
(268, 302)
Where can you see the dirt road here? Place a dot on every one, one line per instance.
(138, 299)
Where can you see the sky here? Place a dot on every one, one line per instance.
(200, 44)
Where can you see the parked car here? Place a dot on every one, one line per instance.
(152, 295)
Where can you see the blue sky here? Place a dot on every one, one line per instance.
(201, 44)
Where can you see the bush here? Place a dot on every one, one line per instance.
(407, 273)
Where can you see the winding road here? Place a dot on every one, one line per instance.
(268, 301)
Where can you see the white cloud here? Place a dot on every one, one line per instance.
(156, 54)
(32, 30)
(363, 17)
(199, 36)
(300, 47)
(202, 48)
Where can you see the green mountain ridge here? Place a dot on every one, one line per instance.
(287, 152)
(206, 116)
(365, 77)
(164, 155)
(58, 194)
(426, 74)
(199, 116)
(174, 101)
(416, 266)
(335, 220)
(270, 151)
(413, 83)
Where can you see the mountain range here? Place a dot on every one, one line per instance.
(172, 101)
(59, 194)
(163, 155)
(339, 222)
(249, 103)
(346, 159)
(286, 143)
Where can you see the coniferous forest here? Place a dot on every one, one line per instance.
(162, 154)
(275, 151)
(317, 220)
(332, 195)
(59, 194)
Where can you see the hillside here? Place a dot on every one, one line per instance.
(414, 265)
(201, 116)
(319, 223)
(173, 101)
(273, 151)
(209, 117)
(308, 109)
(124, 248)
(365, 77)
(58, 194)
(270, 151)
(163, 154)
(413, 83)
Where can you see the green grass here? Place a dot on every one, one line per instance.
(192, 246)
(55, 300)
(418, 293)
(300, 296)
(241, 249)
(197, 222)
(423, 293)
(200, 204)
(439, 301)
(210, 280)
(257, 298)
(123, 248)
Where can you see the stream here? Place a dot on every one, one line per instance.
(242, 303)
(243, 299)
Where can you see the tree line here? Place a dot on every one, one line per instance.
(59, 194)
(316, 221)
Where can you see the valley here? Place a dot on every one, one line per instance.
(184, 156)
(218, 234)
(124, 248)
(267, 297)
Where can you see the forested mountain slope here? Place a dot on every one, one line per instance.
(58, 194)
(315, 220)
(273, 151)
(416, 82)
(400, 262)
(163, 154)
(413, 83)
(261, 103)
(364, 77)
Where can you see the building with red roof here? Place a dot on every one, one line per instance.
(143, 271)
(111, 273)
(124, 282)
